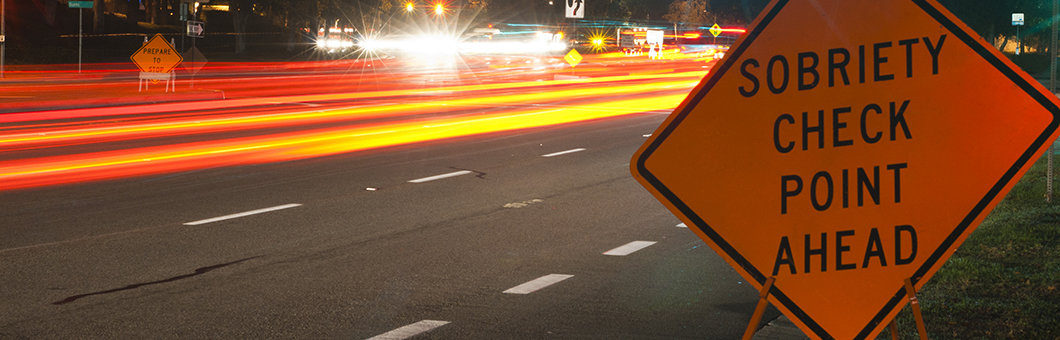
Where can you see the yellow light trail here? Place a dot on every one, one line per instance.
(300, 145)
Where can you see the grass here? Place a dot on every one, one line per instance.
(1002, 283)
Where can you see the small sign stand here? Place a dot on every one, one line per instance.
(156, 61)
(170, 78)
(760, 309)
(763, 294)
(920, 327)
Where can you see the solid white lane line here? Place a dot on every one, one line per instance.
(451, 174)
(629, 248)
(242, 214)
(563, 152)
(538, 283)
(410, 330)
(682, 225)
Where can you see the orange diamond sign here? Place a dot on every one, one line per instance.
(157, 56)
(841, 158)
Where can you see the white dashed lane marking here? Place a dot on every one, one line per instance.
(682, 225)
(410, 330)
(432, 178)
(538, 283)
(629, 248)
(554, 154)
(243, 214)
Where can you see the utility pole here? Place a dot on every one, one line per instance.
(3, 36)
(1052, 89)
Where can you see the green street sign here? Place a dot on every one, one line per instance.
(80, 4)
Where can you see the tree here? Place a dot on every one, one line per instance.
(97, 17)
(241, 11)
(478, 4)
(689, 12)
(632, 9)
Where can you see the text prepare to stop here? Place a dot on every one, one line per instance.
(883, 121)
(157, 59)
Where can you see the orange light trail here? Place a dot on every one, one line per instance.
(306, 110)
(198, 125)
(142, 140)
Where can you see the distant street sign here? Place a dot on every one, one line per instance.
(157, 56)
(833, 156)
(1017, 19)
(655, 41)
(715, 30)
(573, 58)
(626, 41)
(80, 4)
(196, 29)
(193, 60)
(575, 9)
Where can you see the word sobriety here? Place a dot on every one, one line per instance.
(884, 121)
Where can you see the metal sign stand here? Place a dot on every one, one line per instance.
(170, 78)
(910, 290)
(759, 310)
(915, 305)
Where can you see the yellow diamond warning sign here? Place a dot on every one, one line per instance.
(573, 58)
(157, 56)
(841, 159)
(715, 30)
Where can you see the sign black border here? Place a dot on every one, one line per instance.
(896, 299)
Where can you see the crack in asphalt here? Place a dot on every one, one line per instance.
(197, 272)
(479, 174)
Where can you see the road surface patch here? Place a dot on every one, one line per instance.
(523, 203)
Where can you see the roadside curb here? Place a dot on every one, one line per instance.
(83, 103)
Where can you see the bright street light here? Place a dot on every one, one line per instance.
(439, 9)
(409, 6)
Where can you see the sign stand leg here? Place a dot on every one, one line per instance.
(894, 329)
(911, 292)
(759, 310)
(171, 81)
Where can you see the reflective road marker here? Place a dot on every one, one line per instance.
(563, 152)
(410, 330)
(451, 174)
(629, 248)
(242, 214)
(538, 283)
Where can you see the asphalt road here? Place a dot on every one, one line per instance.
(355, 250)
